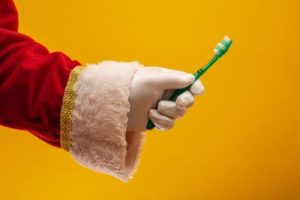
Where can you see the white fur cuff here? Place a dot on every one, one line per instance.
(98, 138)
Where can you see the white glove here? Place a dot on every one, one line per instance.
(148, 89)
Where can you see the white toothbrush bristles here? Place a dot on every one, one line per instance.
(223, 46)
(227, 39)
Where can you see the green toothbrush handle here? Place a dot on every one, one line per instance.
(150, 125)
(178, 92)
(174, 96)
(219, 51)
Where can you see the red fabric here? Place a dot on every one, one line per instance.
(32, 80)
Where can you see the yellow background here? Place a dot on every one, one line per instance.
(239, 141)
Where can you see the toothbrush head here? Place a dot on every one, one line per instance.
(223, 46)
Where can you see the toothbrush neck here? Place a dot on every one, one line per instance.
(206, 67)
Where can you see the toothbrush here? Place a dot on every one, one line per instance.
(219, 51)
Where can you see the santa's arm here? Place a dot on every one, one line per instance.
(32, 80)
(81, 109)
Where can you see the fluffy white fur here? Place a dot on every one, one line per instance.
(99, 138)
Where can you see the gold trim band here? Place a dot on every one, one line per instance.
(67, 109)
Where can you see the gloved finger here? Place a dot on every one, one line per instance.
(169, 108)
(160, 121)
(185, 100)
(197, 88)
(171, 80)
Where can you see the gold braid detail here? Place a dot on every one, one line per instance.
(67, 109)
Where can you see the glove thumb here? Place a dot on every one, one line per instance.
(172, 79)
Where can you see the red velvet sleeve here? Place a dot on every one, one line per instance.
(32, 80)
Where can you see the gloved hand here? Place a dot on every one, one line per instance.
(148, 89)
